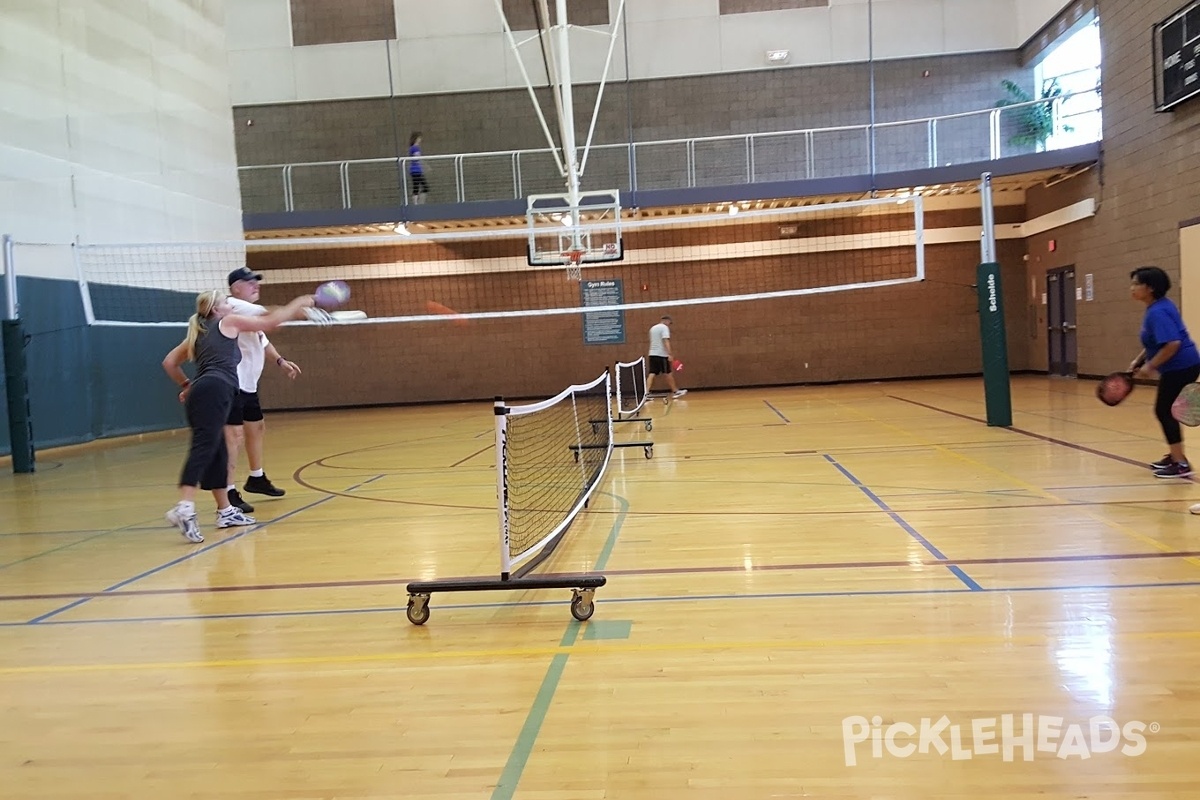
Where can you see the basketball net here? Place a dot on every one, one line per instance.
(573, 259)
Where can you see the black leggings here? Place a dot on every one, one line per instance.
(208, 404)
(1170, 384)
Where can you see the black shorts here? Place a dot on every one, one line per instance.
(660, 365)
(419, 184)
(246, 408)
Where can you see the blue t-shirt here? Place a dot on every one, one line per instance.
(1162, 324)
(414, 167)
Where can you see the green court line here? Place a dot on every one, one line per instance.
(608, 629)
(611, 542)
(523, 747)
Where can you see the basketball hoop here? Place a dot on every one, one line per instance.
(573, 258)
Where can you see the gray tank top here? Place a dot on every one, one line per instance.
(217, 354)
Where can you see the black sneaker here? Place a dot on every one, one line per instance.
(1176, 469)
(235, 500)
(262, 485)
(1165, 461)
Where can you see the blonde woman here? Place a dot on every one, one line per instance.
(212, 343)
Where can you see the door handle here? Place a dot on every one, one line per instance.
(1068, 327)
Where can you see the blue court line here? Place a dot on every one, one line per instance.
(956, 570)
(777, 411)
(684, 598)
(187, 557)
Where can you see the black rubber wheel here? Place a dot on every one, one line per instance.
(649, 451)
(582, 610)
(417, 617)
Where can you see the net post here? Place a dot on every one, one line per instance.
(919, 226)
(16, 375)
(500, 410)
(992, 335)
(11, 307)
(85, 289)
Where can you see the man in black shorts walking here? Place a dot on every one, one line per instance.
(660, 357)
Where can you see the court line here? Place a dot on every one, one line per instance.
(477, 452)
(609, 646)
(94, 535)
(1023, 432)
(186, 557)
(1071, 445)
(899, 520)
(518, 757)
(777, 412)
(522, 749)
(53, 550)
(642, 571)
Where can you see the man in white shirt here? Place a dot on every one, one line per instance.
(660, 357)
(246, 418)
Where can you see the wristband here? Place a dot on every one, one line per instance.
(279, 361)
(186, 383)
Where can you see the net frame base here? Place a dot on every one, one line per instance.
(583, 587)
(514, 575)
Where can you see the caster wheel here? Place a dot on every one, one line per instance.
(649, 451)
(418, 610)
(649, 425)
(581, 609)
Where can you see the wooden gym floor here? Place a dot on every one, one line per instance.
(799, 582)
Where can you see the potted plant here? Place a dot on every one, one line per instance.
(1034, 124)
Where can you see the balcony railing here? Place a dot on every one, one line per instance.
(973, 136)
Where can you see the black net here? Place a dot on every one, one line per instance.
(631, 387)
(555, 453)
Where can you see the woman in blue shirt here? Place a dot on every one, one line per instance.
(416, 170)
(1169, 352)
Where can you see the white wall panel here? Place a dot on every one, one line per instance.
(670, 48)
(422, 19)
(972, 26)
(805, 33)
(258, 24)
(1031, 15)
(117, 121)
(335, 71)
(262, 76)
(449, 64)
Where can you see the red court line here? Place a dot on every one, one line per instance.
(646, 571)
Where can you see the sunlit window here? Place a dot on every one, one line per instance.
(1072, 71)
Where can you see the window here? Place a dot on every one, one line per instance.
(1072, 69)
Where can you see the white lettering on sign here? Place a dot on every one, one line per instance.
(992, 306)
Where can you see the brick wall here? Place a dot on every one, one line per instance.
(735, 103)
(520, 13)
(1150, 181)
(330, 21)
(748, 6)
(930, 328)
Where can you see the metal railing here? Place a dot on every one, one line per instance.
(972, 136)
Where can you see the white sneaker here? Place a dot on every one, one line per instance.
(680, 393)
(187, 524)
(1195, 509)
(232, 517)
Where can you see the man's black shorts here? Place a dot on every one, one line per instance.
(246, 408)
